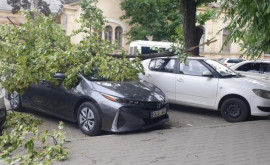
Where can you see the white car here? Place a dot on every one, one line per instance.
(206, 83)
(230, 61)
(259, 69)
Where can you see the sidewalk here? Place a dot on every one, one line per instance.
(246, 143)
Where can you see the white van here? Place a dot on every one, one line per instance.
(146, 47)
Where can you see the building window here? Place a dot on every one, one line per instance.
(202, 40)
(226, 48)
(118, 36)
(108, 34)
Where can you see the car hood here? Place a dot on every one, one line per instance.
(260, 77)
(139, 90)
(245, 82)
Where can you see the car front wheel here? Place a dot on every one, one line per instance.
(235, 110)
(15, 101)
(89, 119)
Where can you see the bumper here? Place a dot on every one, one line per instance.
(135, 118)
(260, 107)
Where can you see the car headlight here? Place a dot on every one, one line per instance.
(262, 93)
(120, 100)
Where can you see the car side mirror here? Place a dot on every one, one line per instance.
(207, 74)
(59, 76)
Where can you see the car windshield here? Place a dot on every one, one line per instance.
(221, 69)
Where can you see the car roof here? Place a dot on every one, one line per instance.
(189, 58)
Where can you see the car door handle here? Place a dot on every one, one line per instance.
(180, 80)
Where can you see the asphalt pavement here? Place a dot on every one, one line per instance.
(192, 137)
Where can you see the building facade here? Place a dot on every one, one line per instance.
(216, 28)
(115, 28)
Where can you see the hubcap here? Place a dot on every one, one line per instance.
(233, 110)
(87, 119)
(14, 100)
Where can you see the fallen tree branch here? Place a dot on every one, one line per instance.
(161, 54)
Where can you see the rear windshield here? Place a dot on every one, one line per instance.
(235, 60)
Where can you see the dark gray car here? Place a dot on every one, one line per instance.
(98, 105)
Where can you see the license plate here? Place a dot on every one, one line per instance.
(158, 113)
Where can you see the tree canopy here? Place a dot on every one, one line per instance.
(40, 5)
(249, 24)
(40, 48)
(162, 19)
(157, 18)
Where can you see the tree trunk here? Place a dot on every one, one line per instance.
(192, 34)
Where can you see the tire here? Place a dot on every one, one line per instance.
(15, 101)
(89, 119)
(235, 110)
(3, 115)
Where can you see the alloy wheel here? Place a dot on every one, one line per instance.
(14, 99)
(87, 119)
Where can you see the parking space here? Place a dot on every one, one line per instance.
(193, 136)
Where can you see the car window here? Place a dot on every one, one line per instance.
(131, 50)
(266, 68)
(192, 67)
(148, 50)
(235, 60)
(162, 65)
(152, 64)
(250, 67)
(135, 50)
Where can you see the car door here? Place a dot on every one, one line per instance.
(192, 88)
(161, 72)
(61, 102)
(35, 96)
(50, 99)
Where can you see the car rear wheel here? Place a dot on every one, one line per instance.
(15, 101)
(3, 115)
(89, 119)
(235, 110)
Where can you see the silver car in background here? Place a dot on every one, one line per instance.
(206, 83)
(230, 61)
(259, 69)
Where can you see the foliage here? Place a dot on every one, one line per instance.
(249, 24)
(178, 46)
(17, 5)
(205, 16)
(23, 143)
(152, 18)
(40, 48)
(32, 52)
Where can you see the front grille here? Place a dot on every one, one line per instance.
(152, 105)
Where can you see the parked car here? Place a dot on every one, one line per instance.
(98, 105)
(230, 61)
(206, 83)
(3, 112)
(146, 47)
(259, 69)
